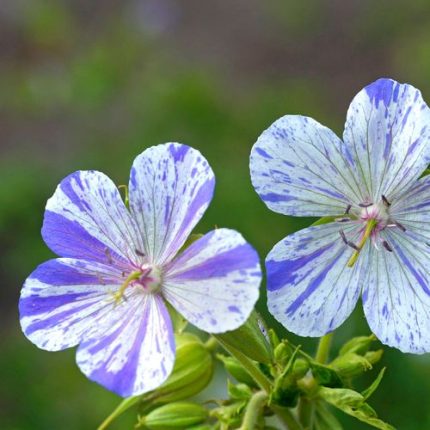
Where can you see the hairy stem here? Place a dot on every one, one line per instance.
(253, 410)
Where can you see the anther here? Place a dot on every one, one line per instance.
(387, 246)
(402, 227)
(353, 246)
(108, 255)
(348, 208)
(385, 201)
(342, 235)
(140, 253)
(365, 205)
(342, 219)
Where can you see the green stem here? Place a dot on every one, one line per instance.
(122, 407)
(324, 348)
(306, 413)
(253, 410)
(284, 414)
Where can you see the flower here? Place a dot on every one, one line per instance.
(378, 244)
(118, 268)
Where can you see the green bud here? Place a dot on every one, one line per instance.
(359, 345)
(350, 365)
(236, 370)
(282, 353)
(374, 356)
(239, 391)
(300, 368)
(192, 372)
(248, 339)
(173, 416)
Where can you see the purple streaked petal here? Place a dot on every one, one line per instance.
(61, 299)
(311, 291)
(396, 295)
(388, 131)
(171, 186)
(133, 351)
(214, 283)
(86, 218)
(299, 167)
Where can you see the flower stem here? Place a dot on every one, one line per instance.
(324, 348)
(283, 414)
(253, 410)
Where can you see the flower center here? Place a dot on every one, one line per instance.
(149, 279)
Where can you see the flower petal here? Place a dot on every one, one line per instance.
(171, 186)
(299, 167)
(133, 352)
(86, 218)
(396, 292)
(62, 299)
(214, 283)
(311, 291)
(388, 132)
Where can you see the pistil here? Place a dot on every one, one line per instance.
(133, 276)
(371, 224)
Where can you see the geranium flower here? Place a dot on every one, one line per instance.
(107, 293)
(379, 244)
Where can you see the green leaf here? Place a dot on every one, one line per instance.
(353, 403)
(372, 388)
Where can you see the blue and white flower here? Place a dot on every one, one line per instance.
(118, 266)
(379, 244)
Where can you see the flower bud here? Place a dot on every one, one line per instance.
(282, 353)
(236, 370)
(173, 416)
(359, 345)
(192, 372)
(248, 339)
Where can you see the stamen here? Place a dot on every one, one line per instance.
(385, 201)
(353, 246)
(140, 253)
(402, 227)
(348, 208)
(130, 278)
(342, 219)
(342, 235)
(365, 205)
(108, 255)
(371, 224)
(387, 246)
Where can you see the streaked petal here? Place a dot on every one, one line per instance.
(299, 167)
(311, 291)
(62, 299)
(214, 283)
(171, 186)
(388, 132)
(86, 218)
(396, 292)
(133, 351)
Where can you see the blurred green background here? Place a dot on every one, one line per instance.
(91, 84)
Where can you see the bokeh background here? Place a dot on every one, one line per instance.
(91, 84)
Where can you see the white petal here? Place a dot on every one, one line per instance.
(388, 132)
(133, 350)
(171, 186)
(310, 289)
(396, 292)
(62, 299)
(86, 218)
(214, 283)
(299, 167)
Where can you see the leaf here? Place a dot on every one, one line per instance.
(371, 389)
(353, 403)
